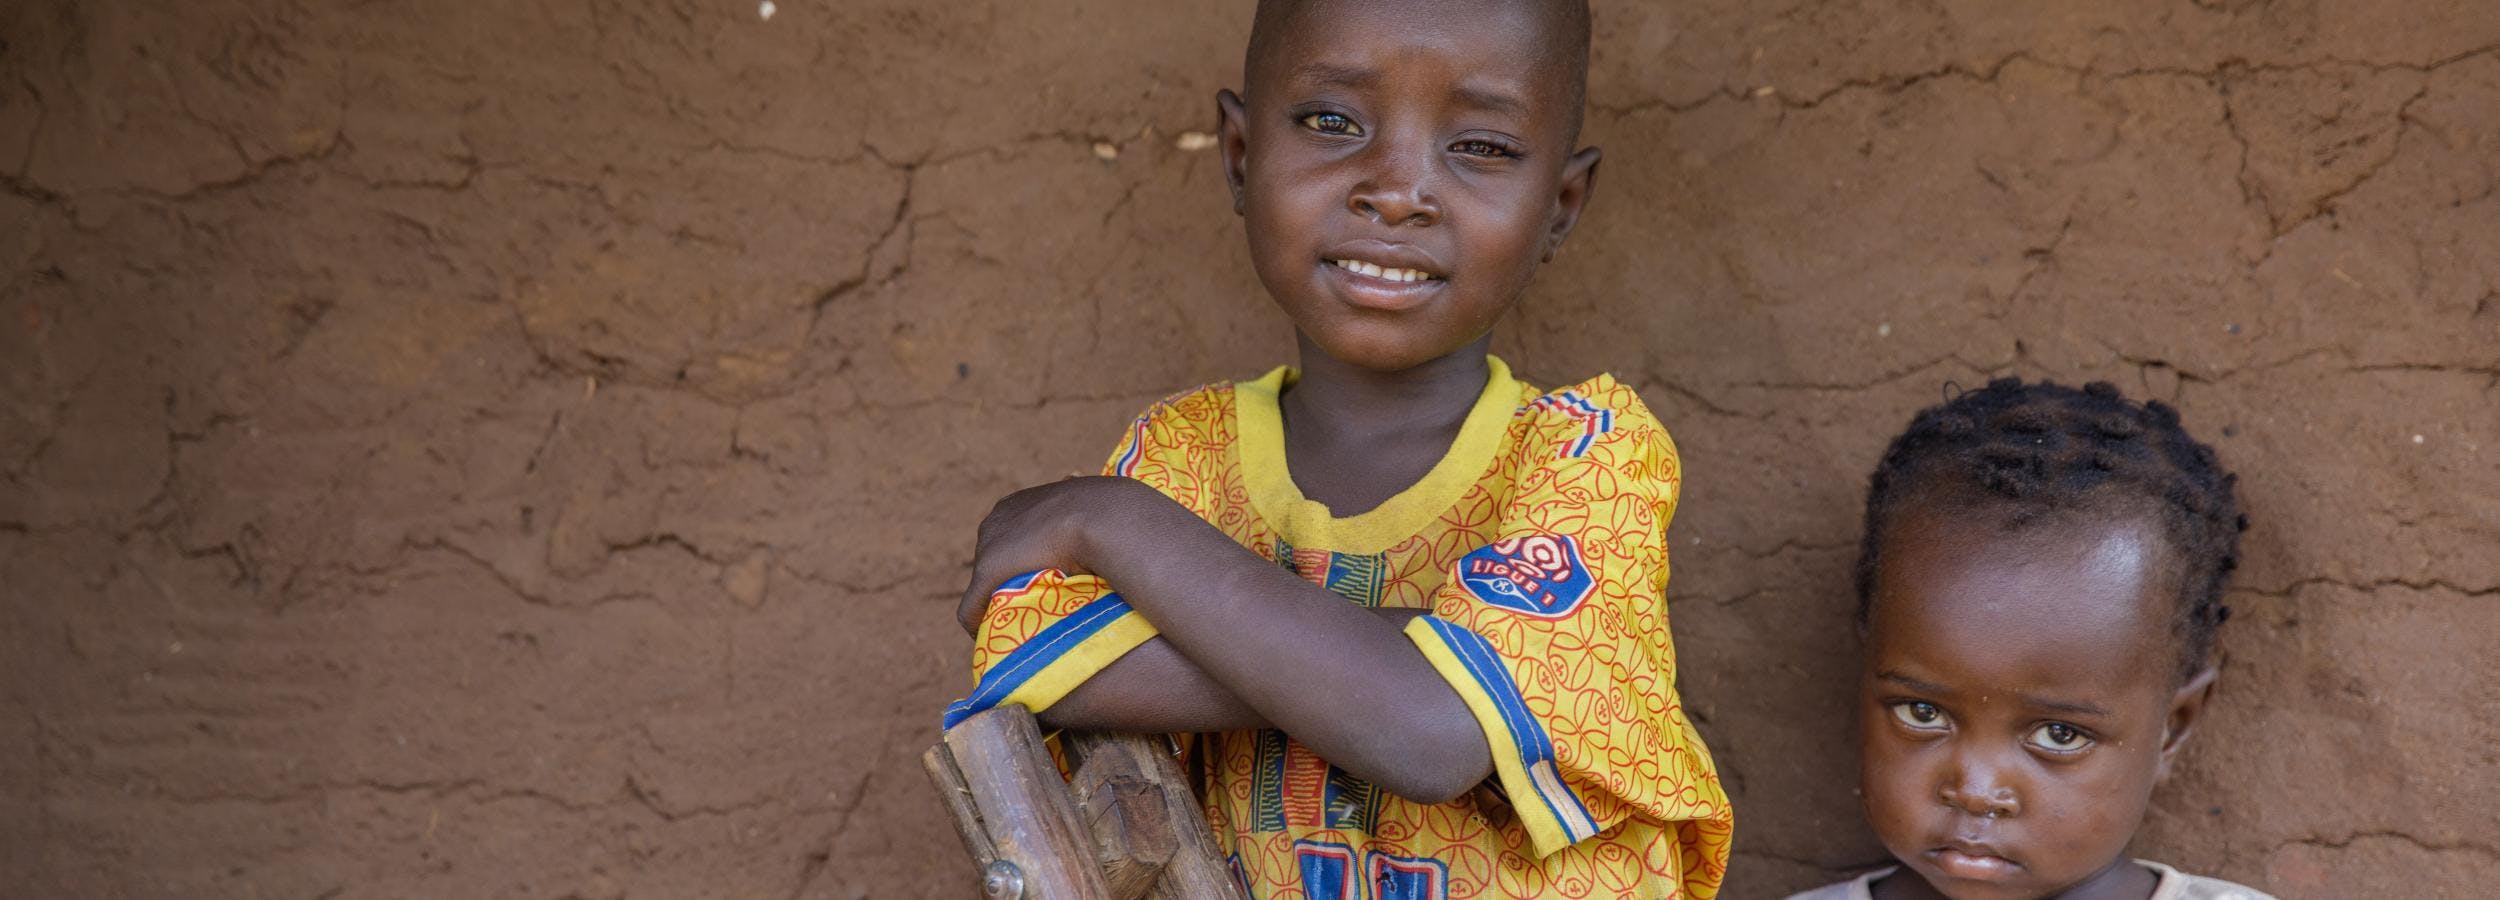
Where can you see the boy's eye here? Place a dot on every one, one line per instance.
(2059, 737)
(1919, 715)
(1331, 123)
(1481, 148)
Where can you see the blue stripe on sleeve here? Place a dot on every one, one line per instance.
(1526, 733)
(1037, 654)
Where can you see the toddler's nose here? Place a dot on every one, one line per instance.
(1980, 797)
(1981, 801)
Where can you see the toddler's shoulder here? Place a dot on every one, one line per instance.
(2177, 885)
(1859, 888)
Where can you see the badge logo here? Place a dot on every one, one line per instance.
(1538, 574)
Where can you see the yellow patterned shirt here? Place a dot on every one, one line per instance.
(1539, 544)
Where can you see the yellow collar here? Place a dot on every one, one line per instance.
(1308, 523)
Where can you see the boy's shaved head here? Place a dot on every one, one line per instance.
(1565, 44)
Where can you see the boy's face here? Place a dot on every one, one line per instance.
(1403, 168)
(2020, 699)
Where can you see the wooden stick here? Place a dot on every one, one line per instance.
(1025, 806)
(1196, 871)
(952, 791)
(1133, 834)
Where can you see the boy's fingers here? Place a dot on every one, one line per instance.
(976, 601)
(968, 615)
(1008, 544)
(988, 572)
(995, 531)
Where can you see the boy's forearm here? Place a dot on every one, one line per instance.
(1152, 689)
(1342, 679)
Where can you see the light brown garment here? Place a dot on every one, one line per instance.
(2174, 885)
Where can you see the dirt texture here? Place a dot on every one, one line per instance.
(530, 450)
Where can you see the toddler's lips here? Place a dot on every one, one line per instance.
(1375, 286)
(1972, 862)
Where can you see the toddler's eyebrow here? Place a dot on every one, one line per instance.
(1923, 687)
(2081, 709)
(1932, 688)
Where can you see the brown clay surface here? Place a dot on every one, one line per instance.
(528, 450)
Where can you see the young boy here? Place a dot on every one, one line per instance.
(2039, 586)
(1415, 607)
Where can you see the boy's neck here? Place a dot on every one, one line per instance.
(1354, 437)
(1351, 401)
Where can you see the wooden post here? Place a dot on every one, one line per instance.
(1024, 808)
(1126, 826)
(1196, 871)
(1133, 836)
(957, 796)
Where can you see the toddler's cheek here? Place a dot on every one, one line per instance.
(1890, 793)
(2096, 818)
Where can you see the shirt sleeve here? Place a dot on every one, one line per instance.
(1556, 636)
(1046, 632)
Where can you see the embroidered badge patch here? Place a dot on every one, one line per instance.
(1537, 574)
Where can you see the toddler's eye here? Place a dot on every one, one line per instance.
(2059, 737)
(1331, 123)
(1481, 148)
(1919, 715)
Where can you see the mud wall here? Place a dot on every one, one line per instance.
(529, 450)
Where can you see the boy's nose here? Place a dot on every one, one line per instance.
(1394, 193)
(1407, 205)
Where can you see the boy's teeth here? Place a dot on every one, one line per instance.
(1360, 267)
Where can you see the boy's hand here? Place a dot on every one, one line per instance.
(1051, 526)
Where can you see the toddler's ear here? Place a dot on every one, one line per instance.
(1232, 138)
(2186, 707)
(1579, 176)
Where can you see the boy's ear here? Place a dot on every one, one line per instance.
(2186, 707)
(1232, 138)
(1579, 176)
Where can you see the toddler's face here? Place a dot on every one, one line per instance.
(1402, 170)
(2019, 701)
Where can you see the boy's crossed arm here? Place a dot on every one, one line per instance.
(1154, 689)
(1245, 643)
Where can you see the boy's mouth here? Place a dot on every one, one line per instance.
(1382, 276)
(1384, 273)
